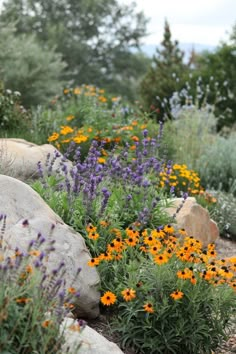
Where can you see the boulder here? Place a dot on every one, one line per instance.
(195, 220)
(91, 341)
(19, 202)
(19, 158)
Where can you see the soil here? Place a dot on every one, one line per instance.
(225, 248)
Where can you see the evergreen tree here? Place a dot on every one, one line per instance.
(165, 75)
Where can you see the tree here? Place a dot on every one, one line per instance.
(165, 75)
(28, 67)
(218, 71)
(91, 35)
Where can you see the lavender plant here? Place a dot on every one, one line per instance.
(33, 300)
(121, 189)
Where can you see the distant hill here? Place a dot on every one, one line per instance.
(150, 49)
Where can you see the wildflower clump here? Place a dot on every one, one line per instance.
(168, 290)
(33, 300)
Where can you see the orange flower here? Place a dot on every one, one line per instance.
(35, 253)
(71, 290)
(46, 323)
(23, 300)
(131, 241)
(91, 228)
(148, 307)
(93, 262)
(108, 298)
(161, 259)
(128, 294)
(93, 235)
(29, 269)
(75, 327)
(176, 295)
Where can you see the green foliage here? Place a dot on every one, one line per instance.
(31, 299)
(29, 67)
(220, 67)
(94, 38)
(224, 213)
(12, 113)
(165, 75)
(217, 166)
(189, 135)
(193, 323)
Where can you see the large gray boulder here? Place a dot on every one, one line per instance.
(19, 202)
(91, 341)
(19, 158)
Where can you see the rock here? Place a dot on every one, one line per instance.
(91, 341)
(19, 202)
(19, 158)
(195, 220)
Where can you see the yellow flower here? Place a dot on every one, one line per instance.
(101, 160)
(77, 91)
(169, 229)
(70, 117)
(80, 139)
(108, 298)
(65, 129)
(53, 137)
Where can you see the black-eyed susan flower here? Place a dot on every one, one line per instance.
(149, 240)
(93, 235)
(131, 241)
(148, 307)
(176, 295)
(90, 228)
(193, 279)
(108, 298)
(161, 259)
(128, 294)
(93, 262)
(169, 229)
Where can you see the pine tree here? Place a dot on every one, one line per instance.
(165, 76)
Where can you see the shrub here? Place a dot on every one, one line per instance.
(29, 67)
(224, 213)
(33, 301)
(13, 115)
(217, 166)
(188, 136)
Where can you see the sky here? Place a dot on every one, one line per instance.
(204, 22)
